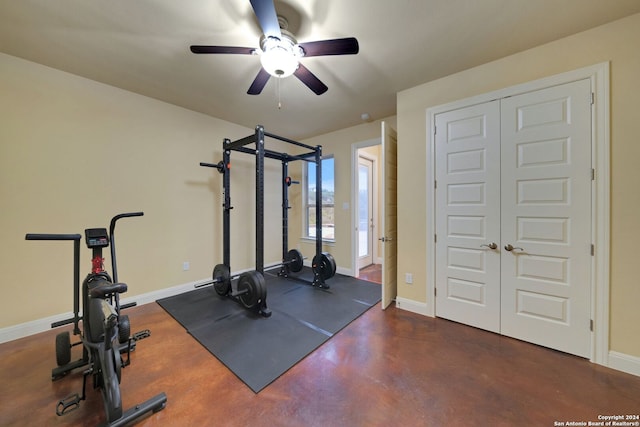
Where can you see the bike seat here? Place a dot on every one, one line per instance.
(104, 290)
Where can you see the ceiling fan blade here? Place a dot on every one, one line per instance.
(309, 79)
(259, 82)
(346, 46)
(223, 49)
(266, 13)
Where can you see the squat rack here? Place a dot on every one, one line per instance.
(323, 264)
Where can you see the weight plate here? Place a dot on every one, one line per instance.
(222, 279)
(252, 289)
(325, 267)
(294, 260)
(332, 263)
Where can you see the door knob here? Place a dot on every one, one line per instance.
(510, 248)
(491, 245)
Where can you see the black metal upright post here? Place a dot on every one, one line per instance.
(285, 209)
(318, 201)
(260, 199)
(226, 215)
(76, 286)
(286, 182)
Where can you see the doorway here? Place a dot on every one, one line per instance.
(366, 254)
(366, 223)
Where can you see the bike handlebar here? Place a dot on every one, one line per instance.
(40, 236)
(112, 226)
(112, 239)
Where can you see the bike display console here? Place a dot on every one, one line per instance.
(96, 237)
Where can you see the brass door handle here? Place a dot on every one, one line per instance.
(510, 248)
(491, 245)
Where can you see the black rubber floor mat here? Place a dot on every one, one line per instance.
(257, 349)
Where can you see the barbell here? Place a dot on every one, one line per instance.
(222, 277)
(251, 290)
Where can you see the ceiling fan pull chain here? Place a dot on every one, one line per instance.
(279, 103)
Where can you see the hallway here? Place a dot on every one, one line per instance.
(372, 273)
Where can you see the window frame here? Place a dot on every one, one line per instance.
(306, 206)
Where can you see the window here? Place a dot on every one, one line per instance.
(328, 217)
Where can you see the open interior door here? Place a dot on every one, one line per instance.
(389, 214)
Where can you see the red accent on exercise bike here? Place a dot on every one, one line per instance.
(97, 265)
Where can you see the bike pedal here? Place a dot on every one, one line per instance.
(68, 404)
(146, 333)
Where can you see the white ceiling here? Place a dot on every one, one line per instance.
(143, 46)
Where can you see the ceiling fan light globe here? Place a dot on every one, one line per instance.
(279, 62)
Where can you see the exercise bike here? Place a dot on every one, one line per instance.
(105, 334)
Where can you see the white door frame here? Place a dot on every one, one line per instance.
(354, 201)
(599, 77)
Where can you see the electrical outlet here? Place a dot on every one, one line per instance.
(408, 278)
(185, 266)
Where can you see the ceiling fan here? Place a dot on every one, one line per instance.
(280, 53)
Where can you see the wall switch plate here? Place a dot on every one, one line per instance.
(185, 266)
(408, 278)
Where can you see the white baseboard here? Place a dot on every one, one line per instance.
(344, 271)
(22, 330)
(339, 270)
(624, 362)
(412, 306)
(163, 293)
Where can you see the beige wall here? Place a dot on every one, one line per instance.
(619, 43)
(74, 152)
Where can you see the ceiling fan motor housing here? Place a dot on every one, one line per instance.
(280, 56)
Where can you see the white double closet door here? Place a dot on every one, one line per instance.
(513, 216)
